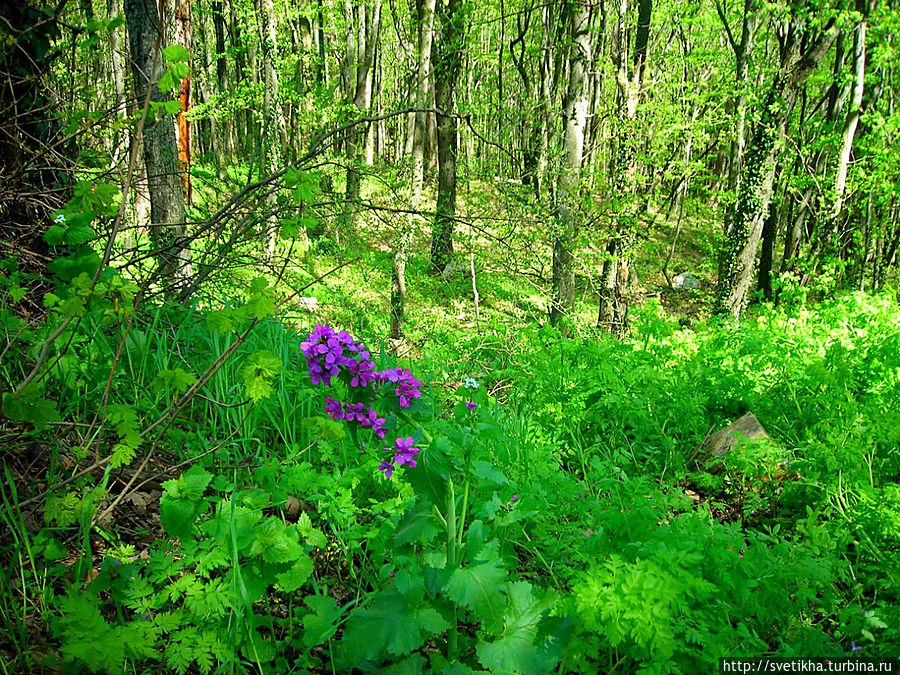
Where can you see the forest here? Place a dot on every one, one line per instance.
(449, 336)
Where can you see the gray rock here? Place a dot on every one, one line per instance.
(686, 281)
(719, 444)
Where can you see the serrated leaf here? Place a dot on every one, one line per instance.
(297, 575)
(258, 373)
(221, 321)
(389, 626)
(321, 624)
(530, 643)
(80, 234)
(55, 235)
(176, 53)
(478, 586)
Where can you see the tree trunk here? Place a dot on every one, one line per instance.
(274, 136)
(612, 312)
(423, 70)
(755, 192)
(448, 62)
(183, 124)
(146, 30)
(360, 84)
(852, 121)
(575, 111)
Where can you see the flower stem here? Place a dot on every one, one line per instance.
(452, 634)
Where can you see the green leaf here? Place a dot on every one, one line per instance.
(321, 624)
(390, 626)
(176, 53)
(28, 406)
(80, 234)
(55, 235)
(531, 643)
(258, 373)
(122, 454)
(222, 321)
(478, 587)
(177, 379)
(297, 575)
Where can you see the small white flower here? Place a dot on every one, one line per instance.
(470, 383)
(59, 219)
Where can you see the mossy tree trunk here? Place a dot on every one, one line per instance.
(743, 233)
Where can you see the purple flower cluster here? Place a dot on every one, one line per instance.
(326, 352)
(355, 412)
(408, 387)
(404, 452)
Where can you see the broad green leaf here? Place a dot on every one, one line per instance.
(479, 586)
(176, 53)
(320, 624)
(530, 643)
(297, 575)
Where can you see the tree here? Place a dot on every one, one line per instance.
(423, 72)
(613, 309)
(363, 37)
(146, 21)
(576, 112)
(448, 63)
(800, 55)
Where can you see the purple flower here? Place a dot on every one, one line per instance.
(408, 387)
(470, 405)
(854, 648)
(514, 499)
(404, 452)
(373, 421)
(327, 352)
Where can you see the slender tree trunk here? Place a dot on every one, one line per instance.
(146, 31)
(612, 312)
(423, 71)
(575, 111)
(360, 84)
(183, 124)
(275, 134)
(852, 121)
(448, 62)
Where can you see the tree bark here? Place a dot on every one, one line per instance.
(448, 62)
(183, 124)
(612, 313)
(755, 192)
(360, 85)
(146, 31)
(852, 121)
(575, 111)
(423, 71)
